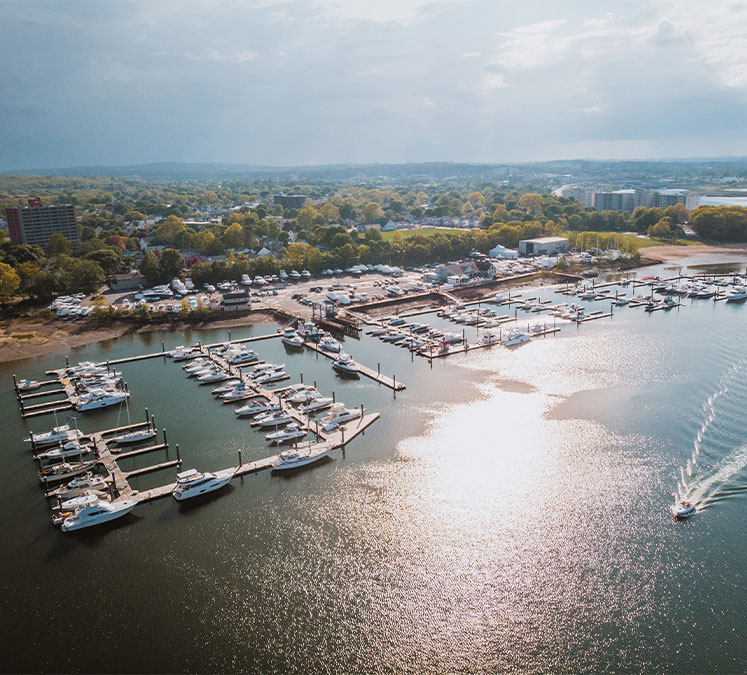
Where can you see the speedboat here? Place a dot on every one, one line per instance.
(396, 322)
(344, 365)
(294, 276)
(70, 449)
(621, 301)
(272, 376)
(292, 339)
(737, 294)
(137, 436)
(290, 433)
(683, 509)
(393, 336)
(192, 483)
(329, 344)
(215, 375)
(225, 387)
(298, 457)
(315, 404)
(239, 357)
(588, 294)
(256, 408)
(239, 392)
(339, 415)
(305, 274)
(297, 393)
(265, 368)
(59, 434)
(273, 419)
(100, 398)
(28, 385)
(97, 512)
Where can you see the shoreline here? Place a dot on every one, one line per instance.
(30, 339)
(671, 253)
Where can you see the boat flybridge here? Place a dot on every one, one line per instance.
(193, 483)
(329, 344)
(338, 415)
(100, 398)
(292, 339)
(345, 366)
(295, 458)
(95, 511)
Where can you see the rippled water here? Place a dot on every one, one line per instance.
(508, 511)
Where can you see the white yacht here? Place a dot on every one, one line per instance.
(272, 376)
(272, 420)
(28, 385)
(683, 509)
(238, 358)
(239, 392)
(256, 408)
(61, 452)
(197, 364)
(298, 457)
(291, 433)
(79, 485)
(137, 436)
(100, 398)
(64, 471)
(315, 404)
(339, 415)
(393, 336)
(185, 355)
(59, 434)
(737, 294)
(588, 294)
(297, 393)
(305, 275)
(214, 375)
(308, 331)
(192, 483)
(97, 512)
(226, 387)
(292, 339)
(515, 338)
(329, 344)
(344, 365)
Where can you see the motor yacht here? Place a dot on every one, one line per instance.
(215, 375)
(100, 398)
(737, 294)
(294, 276)
(393, 337)
(329, 344)
(295, 458)
(60, 434)
(64, 471)
(297, 393)
(338, 415)
(305, 274)
(292, 339)
(308, 331)
(272, 376)
(225, 387)
(273, 419)
(291, 433)
(315, 405)
(196, 365)
(396, 322)
(186, 355)
(239, 392)
(193, 483)
(515, 338)
(62, 452)
(136, 436)
(238, 358)
(78, 485)
(256, 408)
(97, 512)
(344, 365)
(683, 509)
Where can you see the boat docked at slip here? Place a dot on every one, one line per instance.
(392, 336)
(185, 354)
(308, 331)
(96, 511)
(295, 458)
(60, 434)
(683, 509)
(100, 398)
(315, 404)
(225, 387)
(737, 294)
(28, 385)
(329, 344)
(241, 357)
(291, 433)
(515, 337)
(272, 376)
(621, 301)
(62, 452)
(338, 415)
(213, 375)
(239, 392)
(292, 339)
(192, 483)
(64, 471)
(136, 436)
(298, 393)
(79, 485)
(275, 419)
(256, 408)
(345, 366)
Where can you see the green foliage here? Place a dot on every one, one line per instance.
(58, 245)
(720, 223)
(10, 282)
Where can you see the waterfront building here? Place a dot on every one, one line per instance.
(35, 224)
(549, 246)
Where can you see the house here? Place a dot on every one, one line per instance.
(543, 246)
(125, 282)
(389, 226)
(503, 253)
(233, 301)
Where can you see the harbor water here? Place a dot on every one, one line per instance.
(509, 511)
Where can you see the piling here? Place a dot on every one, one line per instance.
(147, 417)
(178, 458)
(229, 336)
(153, 422)
(240, 462)
(301, 378)
(163, 347)
(15, 383)
(164, 436)
(67, 363)
(334, 399)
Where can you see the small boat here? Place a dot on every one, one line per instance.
(186, 355)
(393, 336)
(290, 433)
(237, 393)
(683, 509)
(273, 419)
(621, 302)
(192, 483)
(344, 365)
(329, 344)
(197, 364)
(292, 339)
(60, 434)
(378, 332)
(70, 449)
(225, 387)
(97, 512)
(215, 375)
(515, 338)
(489, 339)
(588, 294)
(137, 436)
(737, 294)
(28, 385)
(295, 458)
(315, 404)
(272, 376)
(396, 322)
(297, 393)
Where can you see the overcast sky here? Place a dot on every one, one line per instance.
(330, 81)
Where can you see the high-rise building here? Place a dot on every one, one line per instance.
(289, 201)
(35, 224)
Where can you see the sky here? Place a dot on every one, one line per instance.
(299, 82)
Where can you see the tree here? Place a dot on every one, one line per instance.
(10, 282)
(306, 216)
(329, 212)
(171, 263)
(372, 212)
(233, 237)
(149, 268)
(678, 213)
(644, 218)
(203, 240)
(347, 212)
(662, 229)
(133, 215)
(107, 258)
(58, 245)
(169, 228)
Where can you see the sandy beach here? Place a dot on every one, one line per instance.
(670, 253)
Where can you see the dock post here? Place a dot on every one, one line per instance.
(342, 432)
(125, 386)
(15, 383)
(33, 442)
(378, 368)
(229, 336)
(163, 348)
(394, 382)
(153, 423)
(147, 416)
(334, 400)
(164, 436)
(301, 378)
(240, 462)
(178, 458)
(67, 363)
(314, 384)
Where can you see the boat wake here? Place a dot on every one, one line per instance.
(704, 485)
